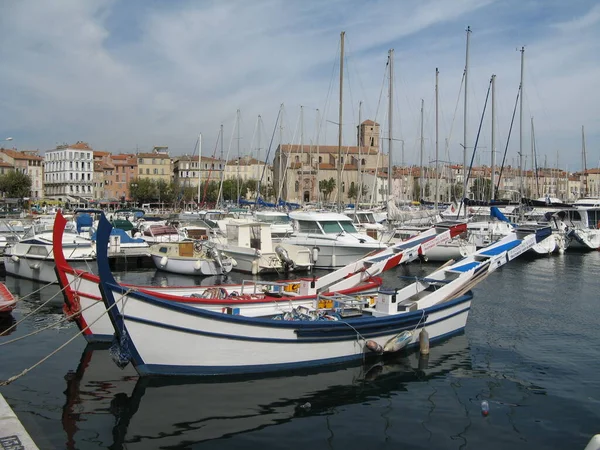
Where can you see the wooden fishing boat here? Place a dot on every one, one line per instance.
(163, 337)
(83, 301)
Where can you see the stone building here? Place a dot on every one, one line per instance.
(298, 170)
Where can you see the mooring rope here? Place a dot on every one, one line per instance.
(25, 371)
(13, 326)
(53, 324)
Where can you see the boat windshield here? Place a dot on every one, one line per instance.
(366, 218)
(348, 226)
(273, 219)
(332, 227)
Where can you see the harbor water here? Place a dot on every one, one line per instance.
(531, 349)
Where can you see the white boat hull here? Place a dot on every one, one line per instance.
(38, 269)
(191, 266)
(331, 254)
(185, 341)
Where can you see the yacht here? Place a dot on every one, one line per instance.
(281, 225)
(332, 238)
(32, 257)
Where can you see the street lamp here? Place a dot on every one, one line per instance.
(134, 186)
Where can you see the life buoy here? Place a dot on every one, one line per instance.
(197, 246)
(72, 309)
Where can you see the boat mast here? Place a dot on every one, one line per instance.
(437, 148)
(584, 164)
(318, 156)
(521, 188)
(422, 169)
(390, 126)
(301, 190)
(199, 166)
(493, 174)
(238, 157)
(465, 122)
(339, 158)
(358, 137)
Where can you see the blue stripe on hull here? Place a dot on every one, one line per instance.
(324, 336)
(167, 370)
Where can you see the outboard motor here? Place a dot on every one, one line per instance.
(284, 257)
(215, 254)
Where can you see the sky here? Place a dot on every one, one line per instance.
(125, 76)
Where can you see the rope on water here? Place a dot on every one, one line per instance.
(13, 326)
(16, 377)
(52, 325)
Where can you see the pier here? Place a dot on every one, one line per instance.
(13, 435)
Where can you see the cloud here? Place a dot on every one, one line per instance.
(127, 75)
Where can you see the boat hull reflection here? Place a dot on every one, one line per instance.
(121, 410)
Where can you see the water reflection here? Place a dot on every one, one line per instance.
(115, 409)
(6, 322)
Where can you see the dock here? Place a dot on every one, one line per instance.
(13, 435)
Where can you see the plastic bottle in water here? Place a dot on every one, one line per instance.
(485, 408)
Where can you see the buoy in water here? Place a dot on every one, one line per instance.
(424, 342)
(398, 342)
(374, 347)
(485, 408)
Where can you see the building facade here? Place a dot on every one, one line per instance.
(305, 173)
(68, 173)
(155, 165)
(29, 163)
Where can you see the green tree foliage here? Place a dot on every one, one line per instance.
(142, 190)
(353, 191)
(327, 187)
(15, 184)
(457, 192)
(481, 189)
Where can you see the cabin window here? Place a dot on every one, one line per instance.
(348, 226)
(255, 237)
(331, 227)
(37, 250)
(307, 226)
(232, 235)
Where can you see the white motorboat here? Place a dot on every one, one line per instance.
(190, 258)
(365, 222)
(332, 238)
(281, 225)
(32, 257)
(251, 245)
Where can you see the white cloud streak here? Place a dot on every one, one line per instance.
(161, 75)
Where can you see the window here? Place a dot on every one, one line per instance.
(147, 171)
(297, 159)
(153, 161)
(363, 162)
(331, 227)
(348, 226)
(307, 226)
(155, 171)
(343, 186)
(372, 142)
(141, 171)
(297, 186)
(320, 159)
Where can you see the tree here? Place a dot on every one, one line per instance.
(15, 184)
(481, 189)
(457, 192)
(142, 190)
(327, 187)
(417, 190)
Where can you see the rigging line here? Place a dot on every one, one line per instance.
(512, 121)
(462, 82)
(219, 136)
(362, 88)
(226, 159)
(287, 160)
(476, 141)
(330, 87)
(268, 152)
